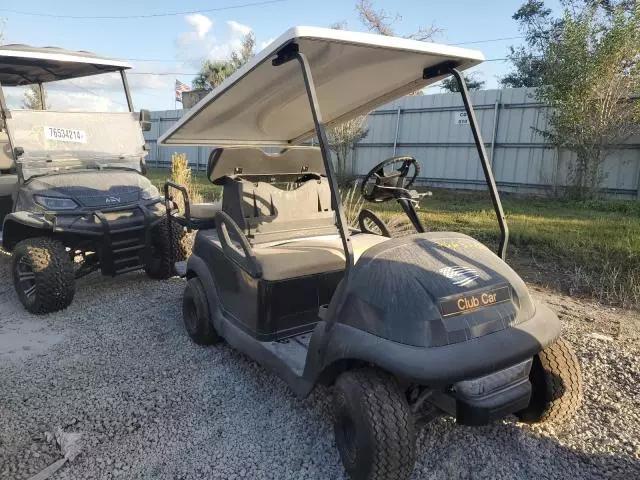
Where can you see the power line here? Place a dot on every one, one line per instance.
(149, 15)
(488, 40)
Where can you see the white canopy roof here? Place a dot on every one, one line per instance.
(353, 72)
(26, 65)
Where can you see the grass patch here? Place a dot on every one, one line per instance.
(207, 190)
(590, 248)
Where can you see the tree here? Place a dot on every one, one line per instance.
(450, 83)
(213, 73)
(32, 101)
(540, 28)
(381, 22)
(591, 82)
(342, 138)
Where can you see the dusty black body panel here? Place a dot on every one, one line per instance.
(266, 310)
(434, 366)
(398, 289)
(255, 315)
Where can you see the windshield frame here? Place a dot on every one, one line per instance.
(5, 112)
(41, 166)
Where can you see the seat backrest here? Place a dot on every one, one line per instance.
(267, 213)
(6, 157)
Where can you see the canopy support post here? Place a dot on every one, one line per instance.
(43, 106)
(286, 54)
(486, 167)
(127, 92)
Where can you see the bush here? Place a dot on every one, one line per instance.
(181, 174)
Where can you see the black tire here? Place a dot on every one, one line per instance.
(162, 257)
(43, 275)
(373, 426)
(196, 315)
(556, 385)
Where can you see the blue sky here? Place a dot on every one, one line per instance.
(179, 43)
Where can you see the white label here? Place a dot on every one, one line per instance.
(460, 118)
(65, 135)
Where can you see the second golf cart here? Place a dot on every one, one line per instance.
(72, 188)
(404, 329)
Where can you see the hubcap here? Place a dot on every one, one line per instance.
(26, 277)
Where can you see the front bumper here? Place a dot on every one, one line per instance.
(107, 221)
(439, 367)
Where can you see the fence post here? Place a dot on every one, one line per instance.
(494, 133)
(395, 139)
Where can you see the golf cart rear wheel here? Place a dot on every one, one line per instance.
(43, 275)
(373, 426)
(556, 385)
(165, 250)
(195, 314)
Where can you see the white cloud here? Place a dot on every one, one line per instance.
(266, 43)
(200, 26)
(201, 23)
(236, 27)
(203, 41)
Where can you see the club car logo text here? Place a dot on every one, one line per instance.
(466, 303)
(460, 276)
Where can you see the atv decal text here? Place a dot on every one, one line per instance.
(65, 134)
(112, 200)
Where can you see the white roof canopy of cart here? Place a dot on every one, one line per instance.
(26, 65)
(354, 73)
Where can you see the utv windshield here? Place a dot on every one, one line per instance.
(95, 93)
(86, 128)
(51, 141)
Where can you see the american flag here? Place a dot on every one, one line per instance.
(181, 87)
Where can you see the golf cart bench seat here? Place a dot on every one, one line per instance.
(205, 211)
(310, 256)
(264, 212)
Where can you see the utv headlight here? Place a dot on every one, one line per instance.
(55, 203)
(149, 193)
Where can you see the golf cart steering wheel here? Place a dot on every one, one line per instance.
(379, 185)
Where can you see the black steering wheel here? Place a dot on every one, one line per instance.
(379, 184)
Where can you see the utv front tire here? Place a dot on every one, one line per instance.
(195, 314)
(373, 426)
(164, 252)
(43, 275)
(556, 385)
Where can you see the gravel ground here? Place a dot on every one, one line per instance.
(118, 367)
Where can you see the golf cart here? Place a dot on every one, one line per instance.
(72, 184)
(404, 329)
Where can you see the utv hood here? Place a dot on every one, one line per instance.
(92, 188)
(433, 289)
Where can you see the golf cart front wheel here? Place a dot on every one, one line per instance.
(556, 385)
(43, 275)
(373, 426)
(195, 314)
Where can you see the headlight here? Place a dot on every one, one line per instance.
(55, 203)
(150, 193)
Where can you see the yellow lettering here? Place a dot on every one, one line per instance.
(461, 304)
